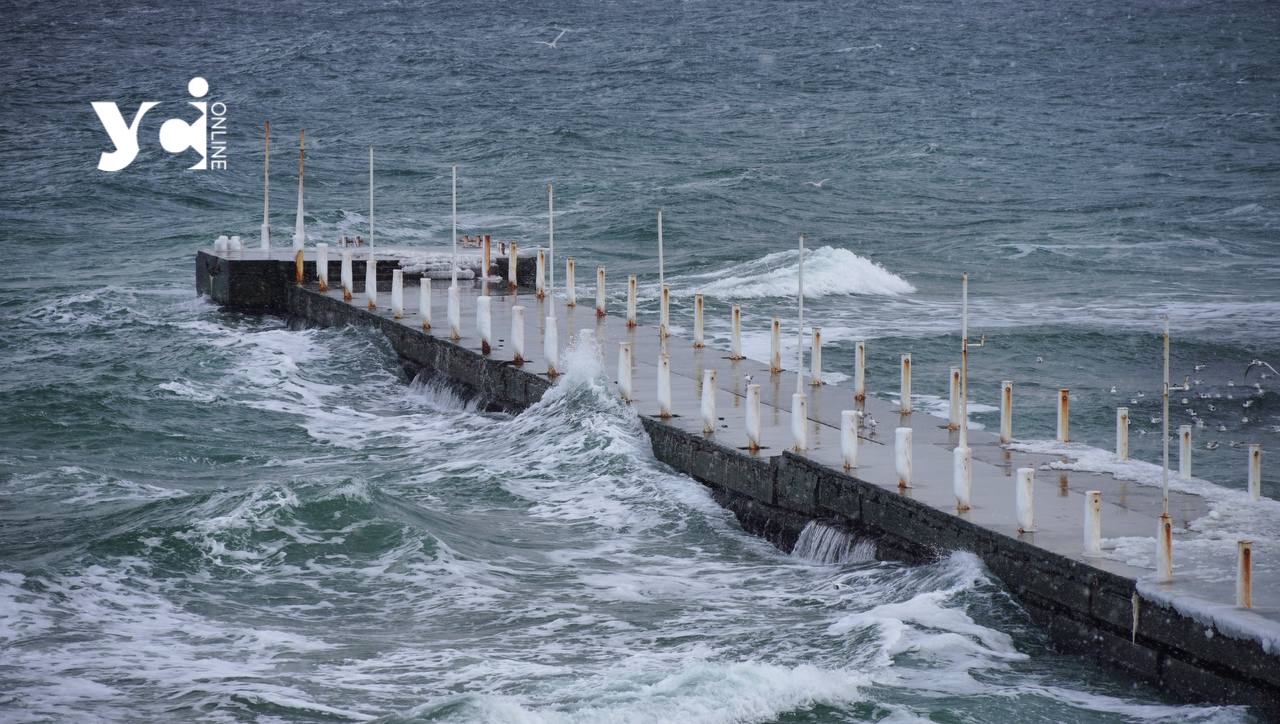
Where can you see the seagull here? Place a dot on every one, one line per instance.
(1039, 359)
(1222, 428)
(1232, 383)
(1211, 445)
(1248, 403)
(1200, 367)
(552, 44)
(1212, 408)
(869, 422)
(817, 184)
(1259, 363)
(1113, 389)
(747, 378)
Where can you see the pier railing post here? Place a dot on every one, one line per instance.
(664, 386)
(1244, 574)
(1093, 523)
(1064, 410)
(1006, 411)
(1255, 471)
(347, 276)
(754, 437)
(1122, 433)
(484, 324)
(904, 405)
(540, 275)
(632, 291)
(775, 346)
(424, 303)
(371, 281)
(708, 401)
(1184, 451)
(664, 315)
(322, 266)
(570, 282)
(859, 370)
(454, 312)
(953, 399)
(517, 335)
(962, 476)
(699, 329)
(799, 422)
(1164, 549)
(849, 438)
(902, 455)
(735, 341)
(397, 294)
(600, 298)
(815, 359)
(624, 372)
(551, 347)
(1025, 499)
(513, 263)
(488, 256)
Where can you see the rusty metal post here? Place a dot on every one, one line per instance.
(799, 422)
(849, 438)
(1006, 411)
(1164, 549)
(632, 291)
(953, 399)
(699, 329)
(904, 405)
(484, 324)
(600, 300)
(754, 437)
(570, 280)
(1025, 498)
(397, 294)
(735, 341)
(455, 313)
(962, 476)
(346, 276)
(624, 372)
(488, 256)
(322, 267)
(517, 335)
(1093, 523)
(1184, 451)
(299, 265)
(1122, 433)
(902, 455)
(513, 262)
(815, 359)
(664, 313)
(775, 347)
(1255, 471)
(551, 347)
(708, 401)
(1064, 410)
(424, 303)
(371, 281)
(1244, 574)
(860, 371)
(540, 274)
(664, 386)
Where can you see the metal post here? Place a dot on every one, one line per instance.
(517, 335)
(424, 303)
(540, 271)
(1006, 411)
(1093, 523)
(860, 371)
(600, 311)
(453, 270)
(397, 294)
(371, 281)
(551, 347)
(299, 264)
(699, 335)
(961, 476)
(488, 256)
(371, 197)
(513, 263)
(775, 347)
(1025, 498)
(1244, 574)
(571, 282)
(455, 313)
(815, 359)
(299, 226)
(754, 438)
(799, 422)
(632, 291)
(849, 438)
(953, 400)
(708, 401)
(664, 317)
(904, 405)
(347, 277)
(1184, 451)
(664, 386)
(902, 455)
(1164, 549)
(484, 324)
(1064, 410)
(1122, 433)
(322, 267)
(624, 372)
(735, 341)
(1255, 471)
(266, 191)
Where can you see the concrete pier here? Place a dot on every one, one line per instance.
(1088, 605)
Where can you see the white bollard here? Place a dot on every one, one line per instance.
(624, 372)
(1122, 433)
(1064, 411)
(346, 276)
(953, 408)
(600, 311)
(664, 386)
(221, 243)
(551, 347)
(754, 437)
(1244, 574)
(234, 244)
(962, 476)
(1025, 499)
(664, 312)
(397, 294)
(1255, 471)
(570, 282)
(1093, 523)
(775, 346)
(455, 313)
(815, 366)
(632, 292)
(513, 263)
(1006, 411)
(517, 335)
(322, 266)
(708, 401)
(902, 455)
(904, 405)
(424, 303)
(799, 422)
(1184, 451)
(859, 371)
(699, 338)
(735, 341)
(1164, 549)
(540, 275)
(849, 438)
(371, 282)
(484, 324)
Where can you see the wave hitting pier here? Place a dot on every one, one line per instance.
(1188, 637)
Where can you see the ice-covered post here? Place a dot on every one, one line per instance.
(513, 263)
(517, 335)
(735, 339)
(1164, 549)
(1184, 451)
(1093, 523)
(371, 281)
(953, 400)
(424, 303)
(1244, 574)
(266, 191)
(859, 370)
(600, 311)
(1064, 411)
(397, 294)
(1006, 411)
(484, 324)
(624, 372)
(551, 347)
(664, 316)
(708, 401)
(902, 455)
(1122, 433)
(849, 438)
(299, 225)
(904, 405)
(632, 292)
(540, 270)
(754, 437)
(815, 358)
(571, 282)
(322, 266)
(799, 422)
(1025, 498)
(699, 330)
(346, 276)
(664, 386)
(775, 346)
(1255, 471)
(455, 313)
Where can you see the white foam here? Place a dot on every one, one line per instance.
(828, 271)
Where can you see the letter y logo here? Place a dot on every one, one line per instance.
(124, 137)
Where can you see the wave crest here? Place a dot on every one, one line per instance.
(828, 271)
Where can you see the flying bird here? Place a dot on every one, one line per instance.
(552, 44)
(817, 184)
(1259, 363)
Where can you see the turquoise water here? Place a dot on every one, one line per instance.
(207, 515)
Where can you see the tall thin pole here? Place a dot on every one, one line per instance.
(551, 241)
(964, 360)
(266, 191)
(1164, 418)
(455, 227)
(800, 329)
(299, 226)
(371, 197)
(661, 278)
